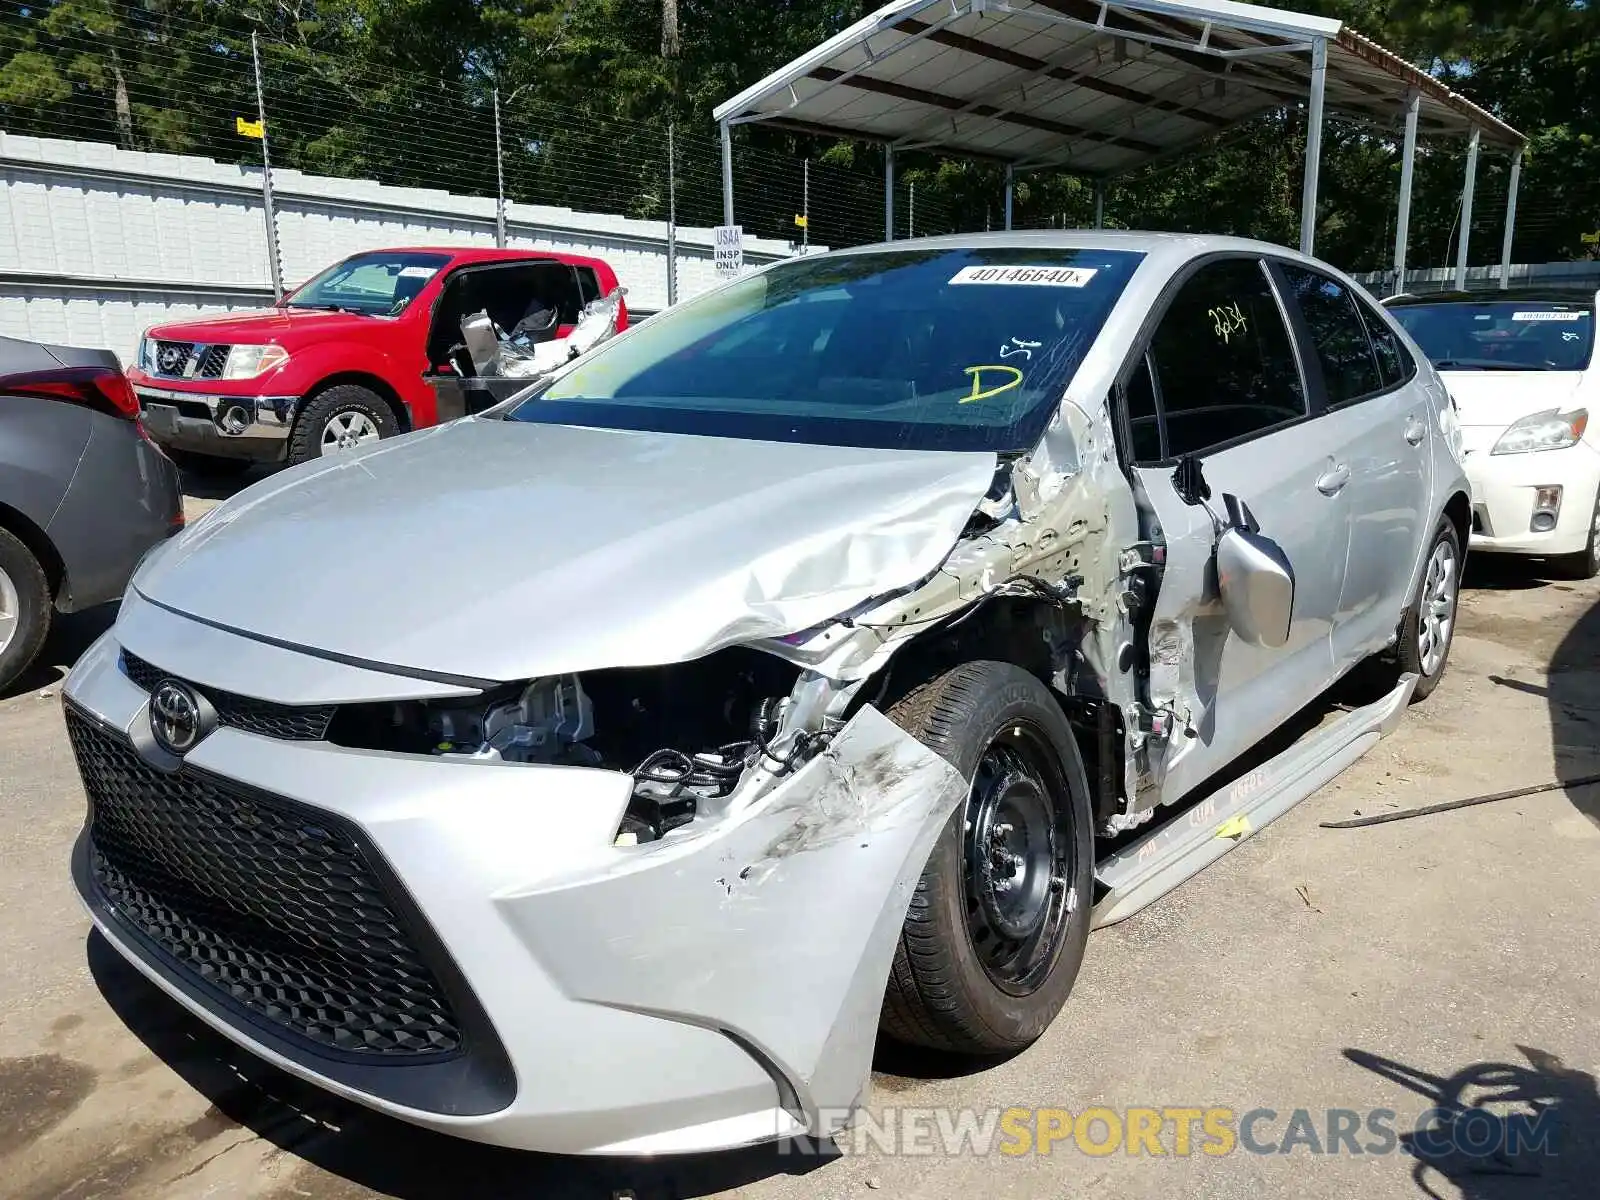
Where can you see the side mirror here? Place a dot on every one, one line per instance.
(1256, 580)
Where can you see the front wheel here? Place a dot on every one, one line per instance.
(338, 419)
(997, 926)
(1429, 625)
(25, 608)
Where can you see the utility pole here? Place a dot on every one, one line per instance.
(912, 214)
(672, 216)
(266, 177)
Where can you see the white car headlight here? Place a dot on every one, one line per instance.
(1550, 430)
(246, 362)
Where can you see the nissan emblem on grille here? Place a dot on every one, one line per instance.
(171, 359)
(178, 718)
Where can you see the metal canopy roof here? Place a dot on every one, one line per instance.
(1095, 88)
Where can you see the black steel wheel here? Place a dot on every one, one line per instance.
(996, 929)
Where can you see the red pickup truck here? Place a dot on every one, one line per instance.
(357, 353)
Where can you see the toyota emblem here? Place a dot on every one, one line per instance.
(178, 717)
(171, 359)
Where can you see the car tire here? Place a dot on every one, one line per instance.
(1429, 625)
(212, 465)
(338, 418)
(25, 608)
(986, 960)
(1586, 563)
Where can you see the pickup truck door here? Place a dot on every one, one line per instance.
(1222, 383)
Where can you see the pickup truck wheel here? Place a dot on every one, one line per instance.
(997, 925)
(25, 609)
(338, 419)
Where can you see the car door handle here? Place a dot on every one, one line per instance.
(1331, 482)
(1415, 431)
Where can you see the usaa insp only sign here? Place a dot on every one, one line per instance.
(728, 254)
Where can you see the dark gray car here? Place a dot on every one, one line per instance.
(83, 493)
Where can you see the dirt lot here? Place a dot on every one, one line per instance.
(1449, 959)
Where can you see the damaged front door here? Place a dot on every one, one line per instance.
(1222, 383)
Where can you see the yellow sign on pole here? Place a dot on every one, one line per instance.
(250, 129)
(802, 222)
(1591, 239)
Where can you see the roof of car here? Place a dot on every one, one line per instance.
(1548, 295)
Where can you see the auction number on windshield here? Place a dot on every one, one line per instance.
(1227, 320)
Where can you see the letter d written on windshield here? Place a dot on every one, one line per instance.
(991, 381)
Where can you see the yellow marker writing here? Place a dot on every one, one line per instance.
(979, 392)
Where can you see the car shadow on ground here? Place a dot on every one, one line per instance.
(386, 1155)
(220, 485)
(1498, 1130)
(70, 635)
(1573, 692)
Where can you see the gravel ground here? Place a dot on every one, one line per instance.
(1448, 959)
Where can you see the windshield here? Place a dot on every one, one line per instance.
(1501, 335)
(380, 284)
(927, 349)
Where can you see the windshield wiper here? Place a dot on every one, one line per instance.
(344, 308)
(1482, 364)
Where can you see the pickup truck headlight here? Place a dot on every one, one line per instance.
(246, 362)
(1543, 431)
(147, 355)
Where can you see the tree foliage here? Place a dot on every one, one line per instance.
(403, 91)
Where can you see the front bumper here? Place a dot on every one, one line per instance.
(1504, 487)
(710, 990)
(248, 427)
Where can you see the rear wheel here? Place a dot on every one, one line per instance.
(1429, 625)
(25, 609)
(1586, 563)
(997, 926)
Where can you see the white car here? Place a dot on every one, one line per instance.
(1519, 366)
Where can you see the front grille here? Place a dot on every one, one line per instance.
(287, 722)
(172, 358)
(212, 362)
(270, 903)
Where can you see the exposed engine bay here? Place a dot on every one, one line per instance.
(687, 733)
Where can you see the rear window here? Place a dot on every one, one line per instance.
(1502, 335)
(933, 349)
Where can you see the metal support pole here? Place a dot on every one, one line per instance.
(911, 215)
(727, 174)
(1511, 218)
(499, 178)
(267, 208)
(1308, 195)
(805, 207)
(1099, 203)
(672, 216)
(888, 193)
(1466, 211)
(1011, 191)
(1408, 166)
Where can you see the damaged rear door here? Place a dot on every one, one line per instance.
(1222, 385)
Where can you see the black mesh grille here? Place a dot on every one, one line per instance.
(287, 722)
(172, 358)
(271, 903)
(212, 362)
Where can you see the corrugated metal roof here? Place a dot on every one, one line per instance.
(1090, 87)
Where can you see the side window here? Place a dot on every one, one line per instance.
(1394, 364)
(1144, 424)
(1223, 359)
(588, 285)
(1349, 366)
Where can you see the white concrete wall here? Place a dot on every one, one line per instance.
(97, 243)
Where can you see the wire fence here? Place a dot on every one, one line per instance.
(146, 77)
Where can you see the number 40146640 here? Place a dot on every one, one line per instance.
(1227, 320)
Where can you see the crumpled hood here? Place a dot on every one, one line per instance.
(501, 551)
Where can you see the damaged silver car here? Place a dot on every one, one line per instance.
(826, 655)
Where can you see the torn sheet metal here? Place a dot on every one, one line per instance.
(651, 548)
(777, 925)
